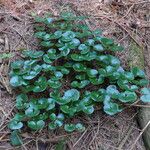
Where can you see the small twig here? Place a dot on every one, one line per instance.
(132, 146)
(96, 132)
(80, 138)
(125, 138)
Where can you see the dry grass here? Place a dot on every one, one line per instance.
(127, 21)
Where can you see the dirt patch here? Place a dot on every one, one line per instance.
(126, 21)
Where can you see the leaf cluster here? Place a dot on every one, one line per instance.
(74, 72)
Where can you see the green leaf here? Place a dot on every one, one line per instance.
(16, 81)
(52, 126)
(42, 103)
(112, 91)
(80, 77)
(60, 117)
(40, 35)
(90, 42)
(96, 81)
(33, 73)
(36, 125)
(68, 110)
(88, 109)
(81, 84)
(48, 21)
(14, 125)
(19, 117)
(79, 67)
(145, 97)
(32, 111)
(15, 138)
(83, 48)
(98, 47)
(138, 72)
(47, 59)
(72, 95)
(97, 96)
(114, 61)
(68, 36)
(69, 127)
(33, 53)
(40, 84)
(106, 41)
(111, 108)
(74, 43)
(57, 34)
(128, 96)
(17, 64)
(80, 127)
(51, 104)
(92, 73)
(76, 57)
(53, 117)
(54, 84)
(46, 44)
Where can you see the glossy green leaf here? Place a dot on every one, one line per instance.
(36, 125)
(17, 64)
(145, 97)
(128, 96)
(79, 67)
(54, 84)
(69, 127)
(33, 53)
(83, 48)
(14, 125)
(40, 84)
(71, 94)
(92, 73)
(88, 109)
(15, 138)
(98, 47)
(68, 36)
(16, 81)
(111, 108)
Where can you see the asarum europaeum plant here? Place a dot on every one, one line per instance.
(73, 73)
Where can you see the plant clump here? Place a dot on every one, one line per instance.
(74, 72)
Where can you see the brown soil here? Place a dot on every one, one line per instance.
(124, 20)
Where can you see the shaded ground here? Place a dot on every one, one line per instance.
(127, 21)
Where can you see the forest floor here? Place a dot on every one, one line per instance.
(127, 21)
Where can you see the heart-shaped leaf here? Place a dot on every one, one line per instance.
(72, 95)
(83, 48)
(40, 84)
(17, 64)
(111, 108)
(138, 72)
(128, 96)
(146, 95)
(14, 125)
(33, 53)
(112, 91)
(79, 67)
(51, 104)
(80, 127)
(54, 84)
(97, 96)
(32, 111)
(15, 138)
(92, 73)
(69, 127)
(68, 36)
(88, 109)
(16, 81)
(98, 47)
(36, 125)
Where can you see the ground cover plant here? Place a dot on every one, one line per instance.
(74, 72)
